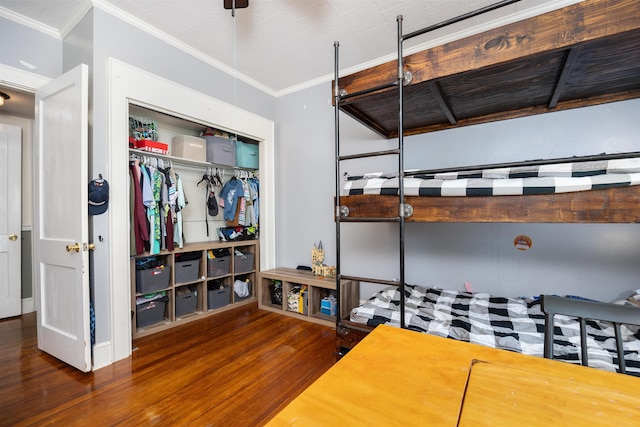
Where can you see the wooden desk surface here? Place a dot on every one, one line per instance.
(396, 377)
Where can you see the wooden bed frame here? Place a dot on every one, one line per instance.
(581, 55)
(612, 205)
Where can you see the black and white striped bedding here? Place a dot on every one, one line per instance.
(540, 179)
(515, 324)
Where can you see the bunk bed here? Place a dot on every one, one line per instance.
(581, 55)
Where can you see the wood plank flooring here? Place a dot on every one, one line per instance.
(238, 368)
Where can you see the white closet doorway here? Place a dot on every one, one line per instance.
(128, 84)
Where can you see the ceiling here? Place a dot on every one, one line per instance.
(280, 46)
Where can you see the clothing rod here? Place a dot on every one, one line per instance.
(526, 163)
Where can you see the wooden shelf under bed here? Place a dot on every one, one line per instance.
(611, 205)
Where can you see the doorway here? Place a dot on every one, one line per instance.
(19, 110)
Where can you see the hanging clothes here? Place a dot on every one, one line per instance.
(255, 199)
(139, 222)
(181, 202)
(229, 195)
(168, 192)
(153, 211)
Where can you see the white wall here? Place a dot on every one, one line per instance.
(593, 260)
(19, 43)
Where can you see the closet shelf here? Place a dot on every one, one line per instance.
(185, 162)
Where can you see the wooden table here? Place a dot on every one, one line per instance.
(396, 377)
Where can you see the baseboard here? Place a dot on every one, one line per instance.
(102, 355)
(28, 305)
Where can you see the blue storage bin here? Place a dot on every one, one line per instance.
(247, 155)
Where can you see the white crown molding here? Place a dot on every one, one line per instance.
(72, 20)
(28, 22)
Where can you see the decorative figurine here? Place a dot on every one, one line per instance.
(317, 257)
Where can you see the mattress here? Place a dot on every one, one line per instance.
(515, 324)
(522, 180)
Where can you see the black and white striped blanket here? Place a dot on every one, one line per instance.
(515, 324)
(540, 179)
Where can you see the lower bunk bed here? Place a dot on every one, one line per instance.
(515, 324)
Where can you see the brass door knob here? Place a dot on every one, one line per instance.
(75, 247)
(13, 237)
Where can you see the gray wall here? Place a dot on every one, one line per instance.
(593, 260)
(19, 42)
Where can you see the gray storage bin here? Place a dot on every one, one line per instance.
(186, 301)
(187, 271)
(217, 297)
(243, 263)
(218, 266)
(150, 312)
(152, 279)
(221, 151)
(236, 298)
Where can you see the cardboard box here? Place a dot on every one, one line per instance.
(221, 151)
(150, 146)
(297, 299)
(189, 147)
(328, 306)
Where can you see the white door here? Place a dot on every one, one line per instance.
(60, 218)
(10, 220)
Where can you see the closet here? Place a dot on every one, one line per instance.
(203, 259)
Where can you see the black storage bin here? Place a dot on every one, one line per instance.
(186, 301)
(275, 290)
(150, 312)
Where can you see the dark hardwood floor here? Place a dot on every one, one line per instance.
(237, 368)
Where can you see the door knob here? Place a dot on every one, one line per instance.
(13, 237)
(91, 246)
(75, 247)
